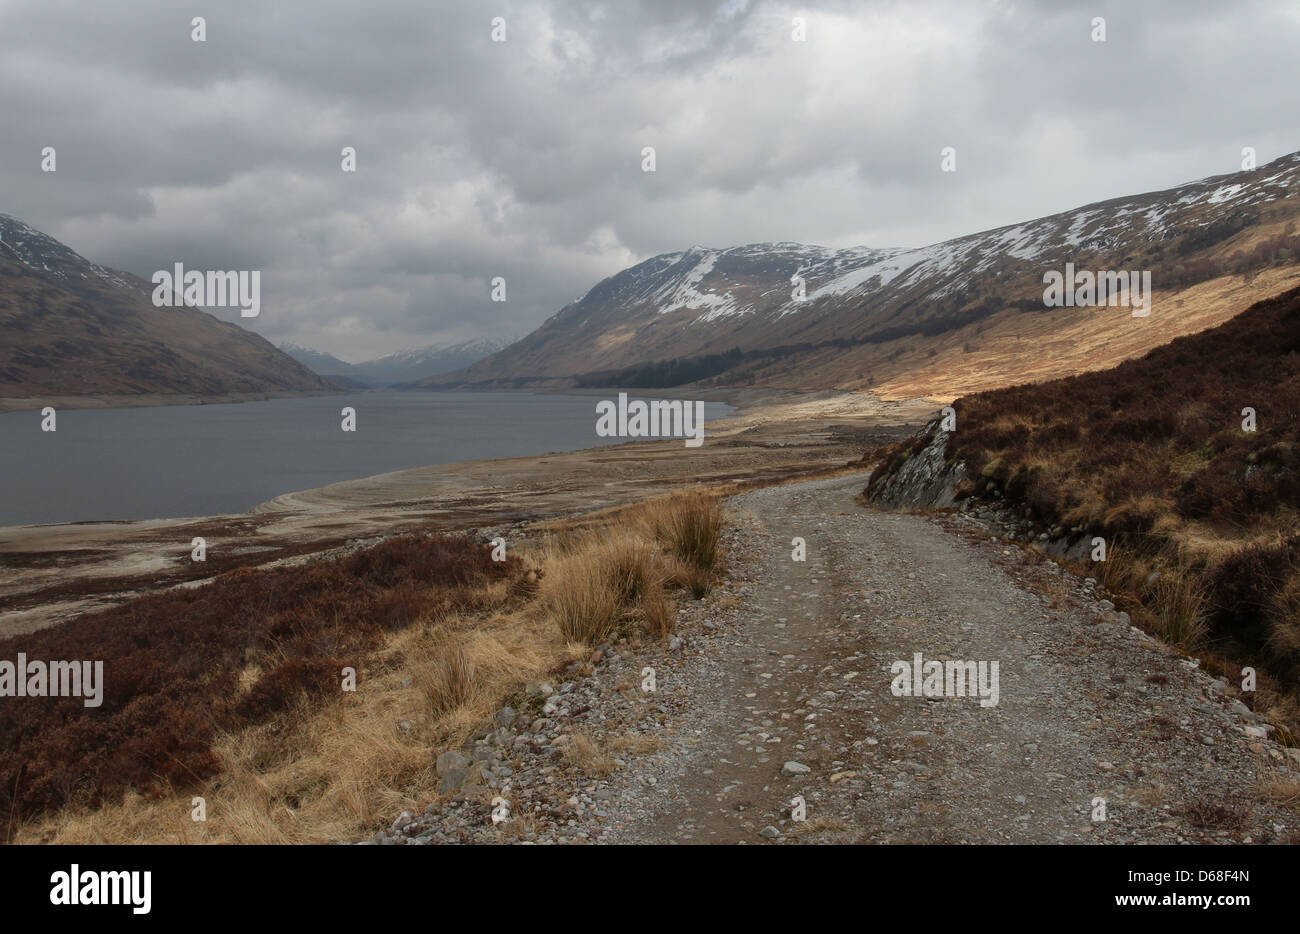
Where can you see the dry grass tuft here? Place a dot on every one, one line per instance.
(635, 744)
(818, 826)
(1180, 610)
(660, 614)
(445, 675)
(631, 565)
(597, 581)
(690, 525)
(587, 755)
(1281, 789)
(582, 596)
(694, 580)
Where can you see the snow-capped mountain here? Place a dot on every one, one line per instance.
(41, 252)
(810, 317)
(70, 327)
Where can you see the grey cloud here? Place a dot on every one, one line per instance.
(522, 159)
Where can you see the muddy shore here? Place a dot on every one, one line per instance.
(52, 573)
(146, 400)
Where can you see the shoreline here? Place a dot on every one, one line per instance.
(740, 397)
(149, 400)
(56, 572)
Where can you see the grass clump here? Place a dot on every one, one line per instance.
(690, 526)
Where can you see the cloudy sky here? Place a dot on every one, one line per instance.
(523, 158)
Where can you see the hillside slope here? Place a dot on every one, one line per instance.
(71, 328)
(954, 317)
(1199, 508)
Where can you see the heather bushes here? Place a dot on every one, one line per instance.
(183, 664)
(1118, 435)
(1152, 455)
(232, 689)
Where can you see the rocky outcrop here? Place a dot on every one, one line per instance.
(924, 480)
(928, 479)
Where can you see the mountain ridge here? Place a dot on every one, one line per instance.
(871, 316)
(74, 328)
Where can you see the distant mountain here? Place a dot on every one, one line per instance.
(410, 365)
(957, 316)
(324, 364)
(70, 327)
(405, 366)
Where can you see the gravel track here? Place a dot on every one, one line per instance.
(779, 687)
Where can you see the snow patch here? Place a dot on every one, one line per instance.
(688, 295)
(1224, 193)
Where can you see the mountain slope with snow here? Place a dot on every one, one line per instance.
(798, 316)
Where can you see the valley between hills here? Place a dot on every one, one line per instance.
(515, 678)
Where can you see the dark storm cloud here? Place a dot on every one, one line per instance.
(522, 159)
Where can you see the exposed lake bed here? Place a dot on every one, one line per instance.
(177, 461)
(55, 572)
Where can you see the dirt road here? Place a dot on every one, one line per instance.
(1098, 734)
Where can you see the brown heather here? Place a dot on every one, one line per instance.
(1201, 518)
(174, 663)
(231, 690)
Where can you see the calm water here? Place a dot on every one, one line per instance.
(195, 460)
